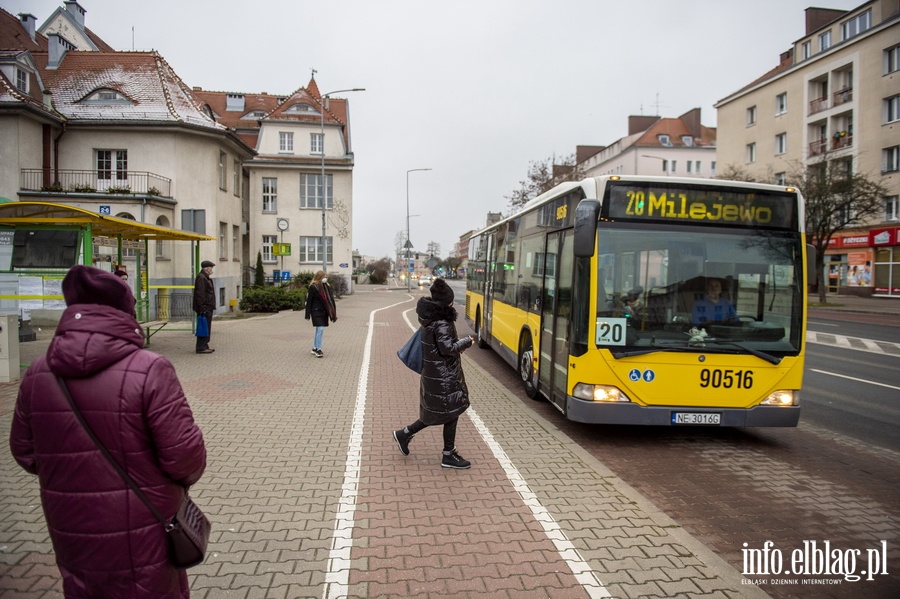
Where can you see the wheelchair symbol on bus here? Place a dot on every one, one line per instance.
(636, 375)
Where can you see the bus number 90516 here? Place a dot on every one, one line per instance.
(740, 379)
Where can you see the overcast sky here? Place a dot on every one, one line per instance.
(474, 90)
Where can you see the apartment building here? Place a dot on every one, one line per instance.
(834, 95)
(680, 147)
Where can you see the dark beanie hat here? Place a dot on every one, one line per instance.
(88, 285)
(441, 292)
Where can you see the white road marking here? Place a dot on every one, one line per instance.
(853, 378)
(337, 574)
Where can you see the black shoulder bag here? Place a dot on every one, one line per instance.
(187, 532)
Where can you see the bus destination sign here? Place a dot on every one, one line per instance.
(685, 204)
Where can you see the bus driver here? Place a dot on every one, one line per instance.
(713, 307)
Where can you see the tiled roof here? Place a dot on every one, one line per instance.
(14, 37)
(248, 129)
(675, 129)
(157, 94)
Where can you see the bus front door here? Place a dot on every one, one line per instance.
(556, 310)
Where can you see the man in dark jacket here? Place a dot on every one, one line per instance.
(205, 304)
(106, 542)
(443, 395)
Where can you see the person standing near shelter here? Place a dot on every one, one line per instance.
(443, 395)
(106, 542)
(205, 303)
(320, 308)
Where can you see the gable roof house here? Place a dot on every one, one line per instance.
(120, 133)
(297, 139)
(680, 147)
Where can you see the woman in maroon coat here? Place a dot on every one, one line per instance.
(107, 543)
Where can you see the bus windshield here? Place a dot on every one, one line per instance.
(672, 288)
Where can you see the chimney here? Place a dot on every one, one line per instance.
(28, 21)
(56, 50)
(74, 9)
(640, 123)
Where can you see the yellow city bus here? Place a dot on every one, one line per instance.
(601, 294)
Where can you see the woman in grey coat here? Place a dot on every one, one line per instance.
(443, 395)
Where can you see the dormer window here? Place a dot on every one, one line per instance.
(301, 109)
(254, 115)
(687, 140)
(107, 96)
(22, 80)
(665, 141)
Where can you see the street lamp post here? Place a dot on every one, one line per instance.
(408, 242)
(325, 97)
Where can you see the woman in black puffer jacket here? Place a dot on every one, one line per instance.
(443, 395)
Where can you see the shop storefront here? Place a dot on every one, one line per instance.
(848, 265)
(885, 242)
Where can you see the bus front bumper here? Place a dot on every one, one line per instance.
(631, 413)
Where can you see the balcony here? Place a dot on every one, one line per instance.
(842, 96)
(818, 105)
(842, 139)
(92, 181)
(818, 147)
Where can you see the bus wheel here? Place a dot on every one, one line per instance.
(526, 369)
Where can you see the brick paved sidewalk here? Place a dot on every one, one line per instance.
(300, 447)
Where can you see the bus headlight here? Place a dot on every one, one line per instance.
(783, 397)
(605, 393)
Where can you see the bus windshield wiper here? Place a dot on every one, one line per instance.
(759, 354)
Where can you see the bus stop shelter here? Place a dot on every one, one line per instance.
(82, 230)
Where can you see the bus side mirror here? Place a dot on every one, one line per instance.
(586, 214)
(810, 264)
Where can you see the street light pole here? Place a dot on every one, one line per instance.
(665, 162)
(408, 243)
(323, 98)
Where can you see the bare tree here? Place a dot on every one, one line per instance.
(836, 199)
(542, 176)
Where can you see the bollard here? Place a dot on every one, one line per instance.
(9, 347)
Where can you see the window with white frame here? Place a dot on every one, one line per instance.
(310, 250)
(892, 60)
(234, 102)
(223, 241)
(689, 167)
(780, 178)
(269, 194)
(285, 141)
(22, 80)
(890, 160)
(858, 24)
(892, 208)
(750, 153)
(674, 166)
(892, 109)
(268, 243)
(781, 103)
(235, 242)
(712, 168)
(112, 165)
(223, 170)
(751, 116)
(780, 143)
(664, 140)
(805, 50)
(687, 140)
(311, 191)
(697, 166)
(236, 183)
(825, 41)
(316, 143)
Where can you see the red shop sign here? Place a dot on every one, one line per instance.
(882, 237)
